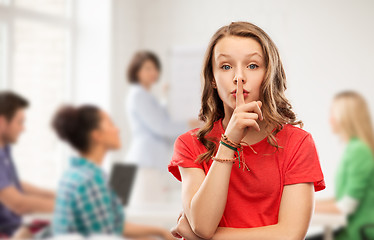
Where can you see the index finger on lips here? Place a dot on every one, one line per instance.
(239, 93)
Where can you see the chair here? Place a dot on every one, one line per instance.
(364, 229)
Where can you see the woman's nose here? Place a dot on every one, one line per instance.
(239, 78)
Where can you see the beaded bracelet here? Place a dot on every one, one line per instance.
(225, 139)
(230, 144)
(237, 147)
(232, 160)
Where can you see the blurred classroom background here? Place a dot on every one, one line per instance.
(65, 51)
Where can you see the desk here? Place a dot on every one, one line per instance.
(37, 216)
(151, 214)
(329, 222)
(166, 216)
(161, 215)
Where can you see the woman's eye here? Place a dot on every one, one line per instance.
(253, 66)
(226, 67)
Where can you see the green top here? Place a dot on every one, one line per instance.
(355, 178)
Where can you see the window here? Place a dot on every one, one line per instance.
(52, 7)
(4, 2)
(2, 56)
(37, 67)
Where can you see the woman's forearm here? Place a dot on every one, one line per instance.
(184, 230)
(208, 204)
(271, 232)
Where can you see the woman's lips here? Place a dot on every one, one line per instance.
(244, 94)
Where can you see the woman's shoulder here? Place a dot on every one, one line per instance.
(136, 91)
(76, 177)
(358, 147)
(292, 132)
(189, 137)
(136, 96)
(81, 177)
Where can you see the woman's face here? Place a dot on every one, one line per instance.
(242, 58)
(148, 73)
(107, 133)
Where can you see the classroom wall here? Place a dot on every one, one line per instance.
(326, 47)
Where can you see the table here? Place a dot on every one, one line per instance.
(166, 216)
(329, 222)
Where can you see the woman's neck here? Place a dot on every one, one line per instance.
(146, 86)
(95, 155)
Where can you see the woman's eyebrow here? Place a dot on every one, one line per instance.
(254, 54)
(248, 55)
(223, 55)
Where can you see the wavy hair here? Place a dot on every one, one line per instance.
(276, 109)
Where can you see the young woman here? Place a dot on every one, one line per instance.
(354, 182)
(249, 173)
(85, 204)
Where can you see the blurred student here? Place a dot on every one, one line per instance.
(85, 203)
(152, 129)
(17, 198)
(354, 180)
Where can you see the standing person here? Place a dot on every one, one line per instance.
(152, 129)
(354, 182)
(249, 173)
(17, 198)
(85, 204)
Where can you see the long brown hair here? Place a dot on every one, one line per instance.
(276, 109)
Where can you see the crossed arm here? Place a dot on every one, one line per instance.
(201, 215)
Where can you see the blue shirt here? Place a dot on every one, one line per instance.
(85, 204)
(9, 221)
(153, 130)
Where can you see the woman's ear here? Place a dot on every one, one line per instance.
(214, 84)
(95, 136)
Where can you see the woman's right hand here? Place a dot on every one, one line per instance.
(243, 117)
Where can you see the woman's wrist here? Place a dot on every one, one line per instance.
(232, 136)
(224, 152)
(228, 143)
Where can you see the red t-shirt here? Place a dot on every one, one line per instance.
(254, 196)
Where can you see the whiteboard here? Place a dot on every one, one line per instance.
(184, 95)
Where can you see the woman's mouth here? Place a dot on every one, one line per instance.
(245, 93)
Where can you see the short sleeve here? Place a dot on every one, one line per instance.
(4, 178)
(304, 166)
(359, 171)
(183, 155)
